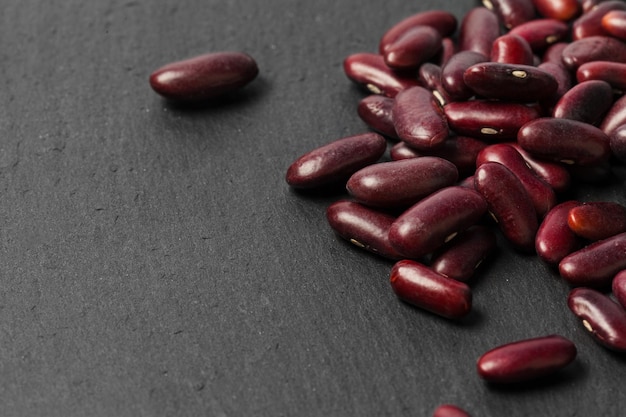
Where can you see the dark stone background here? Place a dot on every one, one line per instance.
(155, 263)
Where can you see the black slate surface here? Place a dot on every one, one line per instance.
(155, 263)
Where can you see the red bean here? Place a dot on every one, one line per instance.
(594, 48)
(370, 70)
(564, 140)
(512, 49)
(618, 287)
(597, 220)
(375, 111)
(601, 316)
(449, 410)
(418, 285)
(586, 102)
(554, 54)
(430, 75)
(335, 161)
(526, 360)
(436, 219)
(418, 120)
(401, 183)
(556, 175)
(364, 227)
(558, 9)
(512, 13)
(479, 28)
(414, 47)
(401, 151)
(204, 77)
(595, 265)
(509, 204)
(618, 143)
(541, 33)
(452, 73)
(449, 48)
(460, 257)
(615, 118)
(444, 22)
(614, 22)
(554, 239)
(614, 73)
(590, 23)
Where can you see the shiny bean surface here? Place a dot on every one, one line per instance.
(479, 28)
(414, 47)
(615, 118)
(526, 360)
(588, 102)
(370, 71)
(614, 22)
(375, 111)
(594, 48)
(558, 9)
(597, 220)
(449, 410)
(512, 13)
(452, 73)
(590, 23)
(418, 285)
(618, 287)
(512, 49)
(541, 33)
(618, 143)
(430, 75)
(556, 175)
(554, 239)
(614, 73)
(444, 22)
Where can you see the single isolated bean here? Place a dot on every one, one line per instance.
(594, 48)
(452, 74)
(614, 73)
(541, 33)
(564, 10)
(364, 227)
(512, 13)
(435, 220)
(597, 220)
(554, 239)
(588, 102)
(414, 47)
(479, 28)
(369, 70)
(618, 287)
(618, 143)
(601, 316)
(512, 49)
(444, 22)
(204, 77)
(556, 175)
(399, 184)
(590, 23)
(526, 360)
(614, 22)
(335, 161)
(418, 285)
(449, 410)
(375, 111)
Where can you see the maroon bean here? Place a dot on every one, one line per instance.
(418, 285)
(401, 183)
(554, 54)
(467, 183)
(509, 204)
(618, 287)
(618, 143)
(452, 74)
(541, 194)
(414, 47)
(601, 316)
(586, 102)
(614, 73)
(541, 33)
(523, 83)
(401, 151)
(554, 239)
(556, 175)
(512, 13)
(375, 111)
(595, 265)
(436, 219)
(479, 28)
(370, 70)
(594, 48)
(448, 49)
(335, 161)
(564, 81)
(449, 410)
(460, 257)
(564, 140)
(429, 75)
(590, 23)
(558, 9)
(489, 120)
(588, 5)
(597, 220)
(444, 22)
(615, 118)
(614, 22)
(204, 77)
(364, 227)
(526, 360)
(418, 120)
(512, 49)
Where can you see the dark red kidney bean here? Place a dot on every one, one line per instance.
(364, 227)
(512, 49)
(479, 28)
(601, 316)
(429, 75)
(541, 33)
(460, 257)
(509, 204)
(586, 102)
(375, 111)
(588, 5)
(526, 360)
(489, 120)
(401, 151)
(590, 23)
(554, 54)
(449, 410)
(444, 22)
(467, 183)
(554, 239)
(522, 83)
(594, 48)
(564, 140)
(448, 49)
(556, 175)
(618, 143)
(614, 22)
(370, 71)
(564, 10)
(614, 73)
(414, 47)
(452, 73)
(564, 81)
(541, 194)
(335, 161)
(436, 219)
(420, 286)
(204, 77)
(418, 120)
(615, 118)
(512, 13)
(595, 265)
(618, 287)
(597, 220)
(401, 183)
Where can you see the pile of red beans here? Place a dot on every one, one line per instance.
(495, 115)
